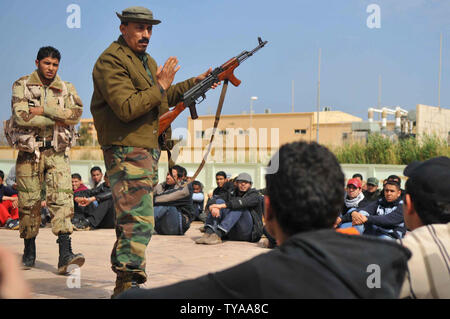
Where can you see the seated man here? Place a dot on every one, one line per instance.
(96, 177)
(9, 212)
(361, 179)
(372, 193)
(383, 218)
(427, 214)
(354, 199)
(173, 207)
(301, 215)
(396, 179)
(77, 183)
(99, 207)
(223, 189)
(198, 199)
(224, 186)
(238, 218)
(77, 186)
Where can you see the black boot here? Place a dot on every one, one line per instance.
(29, 253)
(66, 256)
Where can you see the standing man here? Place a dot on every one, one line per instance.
(45, 110)
(130, 94)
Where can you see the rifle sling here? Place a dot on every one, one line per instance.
(216, 123)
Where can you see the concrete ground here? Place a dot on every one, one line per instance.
(170, 259)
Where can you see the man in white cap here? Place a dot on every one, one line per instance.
(238, 218)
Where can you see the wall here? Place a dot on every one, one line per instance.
(207, 175)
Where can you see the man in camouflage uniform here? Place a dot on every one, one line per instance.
(44, 112)
(130, 93)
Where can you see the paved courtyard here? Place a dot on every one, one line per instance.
(170, 259)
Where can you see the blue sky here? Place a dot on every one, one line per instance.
(204, 33)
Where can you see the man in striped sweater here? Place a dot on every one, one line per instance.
(427, 215)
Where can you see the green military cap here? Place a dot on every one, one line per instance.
(137, 14)
(372, 181)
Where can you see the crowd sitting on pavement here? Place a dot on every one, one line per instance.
(301, 218)
(416, 217)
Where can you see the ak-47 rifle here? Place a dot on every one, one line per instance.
(192, 96)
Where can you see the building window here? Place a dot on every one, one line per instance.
(344, 136)
(223, 132)
(200, 134)
(299, 131)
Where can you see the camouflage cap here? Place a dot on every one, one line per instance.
(137, 14)
(372, 181)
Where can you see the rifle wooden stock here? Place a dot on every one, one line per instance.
(227, 74)
(167, 118)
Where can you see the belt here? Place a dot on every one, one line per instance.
(44, 143)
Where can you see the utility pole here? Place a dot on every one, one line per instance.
(318, 97)
(292, 97)
(379, 92)
(440, 74)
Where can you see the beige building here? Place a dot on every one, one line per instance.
(433, 120)
(254, 138)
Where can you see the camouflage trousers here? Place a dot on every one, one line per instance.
(132, 172)
(53, 168)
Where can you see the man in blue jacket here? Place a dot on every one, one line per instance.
(383, 218)
(173, 205)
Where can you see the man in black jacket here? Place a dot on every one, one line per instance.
(300, 211)
(173, 205)
(99, 207)
(224, 187)
(372, 193)
(238, 218)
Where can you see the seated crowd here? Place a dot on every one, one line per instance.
(304, 223)
(313, 216)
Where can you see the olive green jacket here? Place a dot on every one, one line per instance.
(126, 105)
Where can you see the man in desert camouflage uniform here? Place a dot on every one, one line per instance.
(130, 93)
(44, 112)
